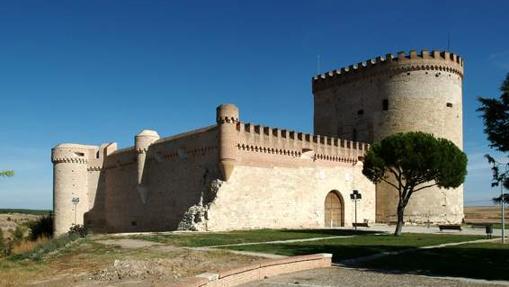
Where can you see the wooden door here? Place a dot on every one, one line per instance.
(333, 210)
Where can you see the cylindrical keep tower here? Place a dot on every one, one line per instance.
(70, 186)
(227, 117)
(387, 95)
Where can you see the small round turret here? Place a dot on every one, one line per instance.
(227, 117)
(141, 143)
(227, 113)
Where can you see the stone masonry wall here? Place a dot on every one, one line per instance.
(232, 175)
(423, 92)
(177, 175)
(265, 196)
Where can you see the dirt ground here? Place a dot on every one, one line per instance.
(483, 214)
(100, 261)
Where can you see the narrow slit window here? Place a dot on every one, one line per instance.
(354, 135)
(449, 105)
(385, 104)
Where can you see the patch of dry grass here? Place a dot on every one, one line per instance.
(26, 246)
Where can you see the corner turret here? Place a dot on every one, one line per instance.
(70, 184)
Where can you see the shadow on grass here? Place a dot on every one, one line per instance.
(469, 262)
(330, 232)
(339, 252)
(481, 261)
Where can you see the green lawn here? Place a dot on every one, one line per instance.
(483, 260)
(245, 236)
(358, 246)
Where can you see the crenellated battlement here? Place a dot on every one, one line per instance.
(72, 153)
(258, 138)
(402, 62)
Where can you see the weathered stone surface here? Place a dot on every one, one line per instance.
(238, 175)
(423, 92)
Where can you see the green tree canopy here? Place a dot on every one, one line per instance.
(495, 115)
(6, 173)
(413, 161)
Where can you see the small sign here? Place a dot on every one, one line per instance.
(355, 195)
(75, 200)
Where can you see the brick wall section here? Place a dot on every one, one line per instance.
(258, 271)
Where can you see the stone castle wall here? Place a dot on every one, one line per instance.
(232, 175)
(383, 96)
(288, 197)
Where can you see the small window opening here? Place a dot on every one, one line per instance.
(449, 105)
(79, 154)
(360, 112)
(97, 154)
(385, 104)
(133, 223)
(354, 135)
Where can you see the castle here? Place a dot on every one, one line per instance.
(238, 175)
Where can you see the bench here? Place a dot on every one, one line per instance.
(360, 224)
(450, 227)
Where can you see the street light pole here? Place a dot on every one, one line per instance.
(355, 195)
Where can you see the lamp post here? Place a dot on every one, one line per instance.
(355, 195)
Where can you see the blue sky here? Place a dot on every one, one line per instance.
(100, 71)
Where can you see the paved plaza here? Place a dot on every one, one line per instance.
(347, 277)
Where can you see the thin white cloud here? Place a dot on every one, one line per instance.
(500, 59)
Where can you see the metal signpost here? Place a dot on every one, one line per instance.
(502, 203)
(355, 195)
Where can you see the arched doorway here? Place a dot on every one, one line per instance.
(334, 210)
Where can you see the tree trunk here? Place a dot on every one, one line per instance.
(399, 226)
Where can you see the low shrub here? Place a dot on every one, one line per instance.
(42, 227)
(78, 229)
(3, 245)
(18, 234)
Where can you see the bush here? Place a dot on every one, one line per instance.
(3, 246)
(18, 234)
(43, 227)
(78, 229)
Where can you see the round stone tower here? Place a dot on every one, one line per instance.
(391, 94)
(227, 117)
(70, 185)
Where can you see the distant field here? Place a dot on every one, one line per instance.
(483, 214)
(25, 211)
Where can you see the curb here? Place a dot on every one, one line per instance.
(259, 271)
